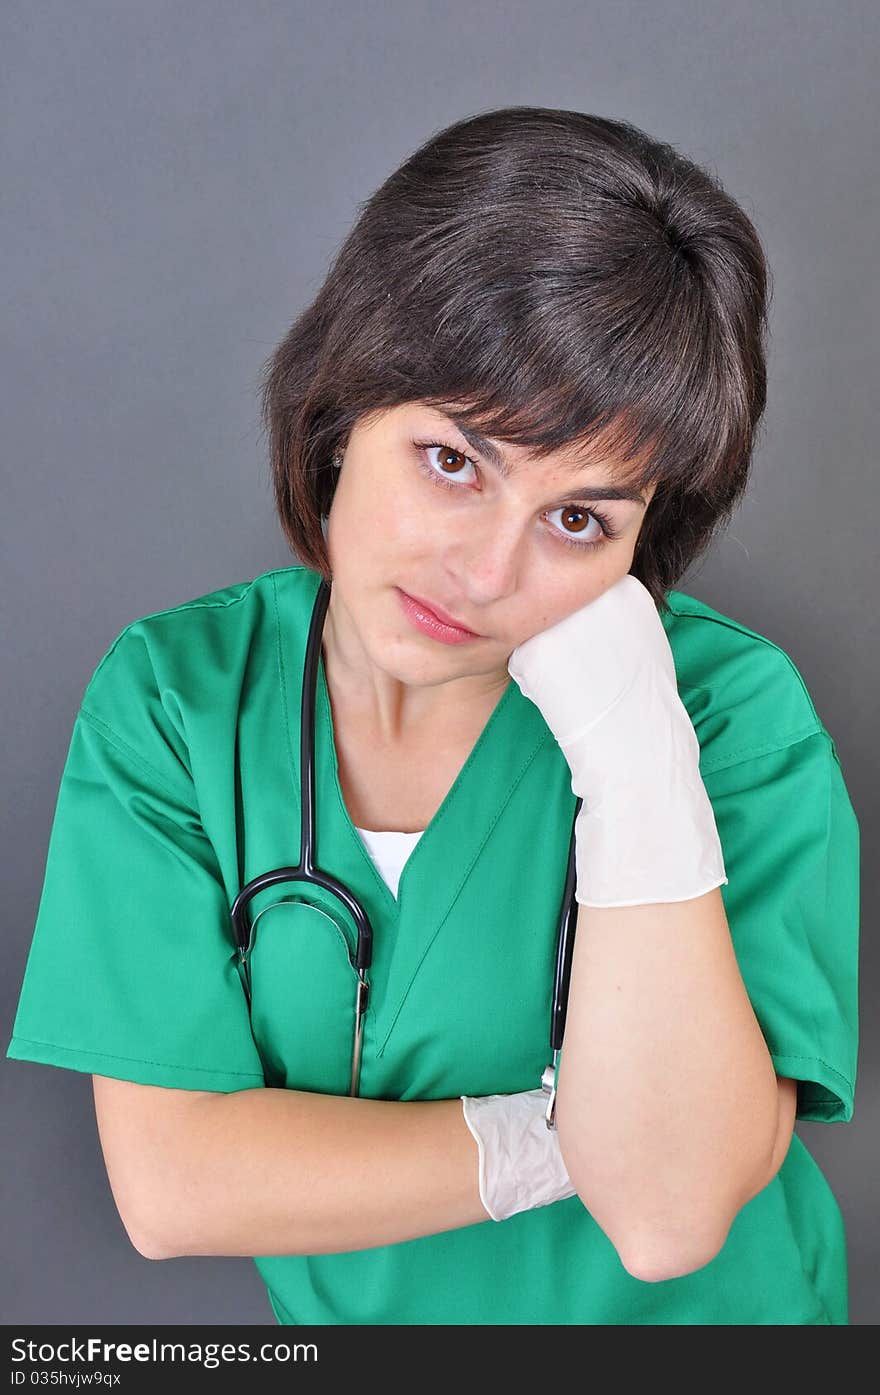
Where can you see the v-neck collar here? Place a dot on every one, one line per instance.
(450, 846)
(325, 717)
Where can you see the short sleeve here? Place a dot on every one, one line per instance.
(790, 839)
(131, 970)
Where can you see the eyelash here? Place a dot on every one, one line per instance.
(609, 531)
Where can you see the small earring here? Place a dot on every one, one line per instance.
(337, 462)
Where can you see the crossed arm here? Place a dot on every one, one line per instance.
(683, 1120)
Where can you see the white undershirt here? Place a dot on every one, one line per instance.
(389, 851)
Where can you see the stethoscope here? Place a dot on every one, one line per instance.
(307, 871)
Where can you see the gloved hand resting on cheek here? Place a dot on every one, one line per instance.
(604, 681)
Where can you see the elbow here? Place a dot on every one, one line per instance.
(651, 1254)
(654, 1259)
(156, 1243)
(144, 1242)
(148, 1251)
(163, 1235)
(160, 1232)
(148, 1229)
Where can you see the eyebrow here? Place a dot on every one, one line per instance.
(484, 447)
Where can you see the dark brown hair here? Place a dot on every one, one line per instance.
(561, 278)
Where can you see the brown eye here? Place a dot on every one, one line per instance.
(575, 520)
(447, 458)
(442, 461)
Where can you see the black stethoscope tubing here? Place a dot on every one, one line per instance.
(307, 871)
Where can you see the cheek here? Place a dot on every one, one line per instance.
(550, 605)
(402, 520)
(375, 520)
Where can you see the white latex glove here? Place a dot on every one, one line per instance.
(521, 1166)
(604, 681)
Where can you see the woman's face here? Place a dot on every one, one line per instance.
(418, 510)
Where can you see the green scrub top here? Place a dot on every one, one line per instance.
(182, 783)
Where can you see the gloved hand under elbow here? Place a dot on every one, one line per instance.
(521, 1166)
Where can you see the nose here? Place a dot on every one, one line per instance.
(484, 562)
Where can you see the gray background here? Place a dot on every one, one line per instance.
(175, 179)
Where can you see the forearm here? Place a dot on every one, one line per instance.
(668, 1105)
(274, 1172)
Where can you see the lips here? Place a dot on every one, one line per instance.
(442, 615)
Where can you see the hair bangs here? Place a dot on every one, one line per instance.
(551, 279)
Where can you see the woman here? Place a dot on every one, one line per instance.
(522, 404)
